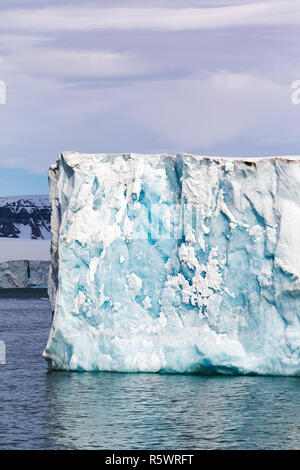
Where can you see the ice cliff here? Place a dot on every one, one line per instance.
(175, 264)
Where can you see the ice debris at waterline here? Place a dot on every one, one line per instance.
(175, 264)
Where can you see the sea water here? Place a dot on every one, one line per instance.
(41, 409)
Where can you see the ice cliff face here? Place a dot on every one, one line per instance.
(23, 273)
(25, 217)
(175, 264)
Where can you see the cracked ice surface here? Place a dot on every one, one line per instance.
(175, 264)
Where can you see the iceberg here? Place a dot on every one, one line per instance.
(175, 264)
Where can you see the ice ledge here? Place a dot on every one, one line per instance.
(73, 159)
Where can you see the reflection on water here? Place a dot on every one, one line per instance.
(41, 409)
(172, 411)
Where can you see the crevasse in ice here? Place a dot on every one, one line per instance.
(180, 263)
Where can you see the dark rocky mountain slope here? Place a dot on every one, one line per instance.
(25, 217)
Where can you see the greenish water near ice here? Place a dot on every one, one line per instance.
(40, 409)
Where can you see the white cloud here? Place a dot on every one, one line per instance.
(243, 111)
(73, 63)
(285, 12)
(202, 112)
(27, 55)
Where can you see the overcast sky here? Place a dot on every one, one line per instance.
(207, 77)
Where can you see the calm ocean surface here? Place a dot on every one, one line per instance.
(40, 409)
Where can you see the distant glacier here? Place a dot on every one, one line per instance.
(179, 264)
(18, 274)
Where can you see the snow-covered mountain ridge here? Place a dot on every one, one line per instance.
(25, 217)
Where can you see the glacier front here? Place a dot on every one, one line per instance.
(182, 263)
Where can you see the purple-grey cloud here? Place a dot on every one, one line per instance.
(147, 76)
